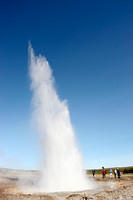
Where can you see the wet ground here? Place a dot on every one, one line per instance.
(11, 185)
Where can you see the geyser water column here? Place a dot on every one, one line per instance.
(62, 165)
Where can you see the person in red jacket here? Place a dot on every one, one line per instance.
(103, 172)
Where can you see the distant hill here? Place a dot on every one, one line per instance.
(18, 173)
(124, 170)
(16, 170)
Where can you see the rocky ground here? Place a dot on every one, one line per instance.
(121, 189)
(105, 189)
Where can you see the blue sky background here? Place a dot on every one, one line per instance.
(89, 45)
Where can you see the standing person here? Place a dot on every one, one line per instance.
(118, 173)
(103, 172)
(110, 173)
(115, 173)
(93, 173)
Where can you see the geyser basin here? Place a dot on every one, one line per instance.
(62, 163)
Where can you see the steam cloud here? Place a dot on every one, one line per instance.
(62, 168)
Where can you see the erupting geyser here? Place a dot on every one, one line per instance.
(62, 164)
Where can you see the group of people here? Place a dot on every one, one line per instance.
(116, 173)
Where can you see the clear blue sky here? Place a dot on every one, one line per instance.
(89, 44)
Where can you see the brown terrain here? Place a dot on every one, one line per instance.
(107, 189)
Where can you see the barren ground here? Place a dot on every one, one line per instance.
(105, 189)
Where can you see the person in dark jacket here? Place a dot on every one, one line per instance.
(93, 172)
(118, 173)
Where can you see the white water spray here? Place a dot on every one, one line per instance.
(62, 164)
